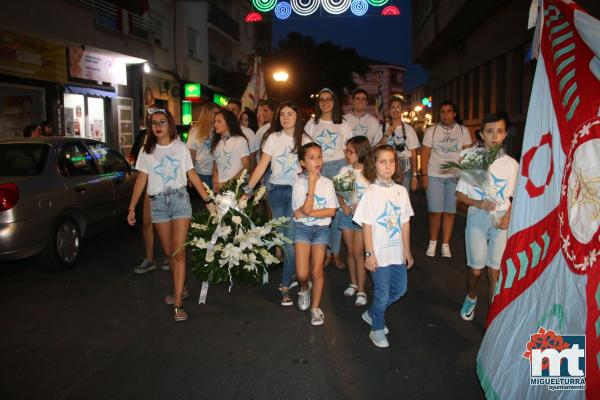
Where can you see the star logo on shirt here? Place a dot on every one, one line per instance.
(390, 219)
(167, 169)
(448, 145)
(496, 188)
(318, 204)
(206, 145)
(288, 161)
(224, 159)
(359, 130)
(327, 139)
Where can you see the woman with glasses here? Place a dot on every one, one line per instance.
(165, 165)
(403, 138)
(329, 130)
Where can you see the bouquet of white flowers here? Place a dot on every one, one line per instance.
(345, 186)
(233, 243)
(473, 167)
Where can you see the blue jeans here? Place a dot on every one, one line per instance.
(280, 202)
(389, 284)
(331, 169)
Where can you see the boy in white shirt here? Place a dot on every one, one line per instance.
(359, 120)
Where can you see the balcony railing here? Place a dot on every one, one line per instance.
(224, 22)
(109, 16)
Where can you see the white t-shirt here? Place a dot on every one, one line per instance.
(285, 166)
(385, 209)
(253, 143)
(503, 174)
(331, 137)
(204, 159)
(166, 167)
(367, 125)
(228, 156)
(260, 133)
(361, 183)
(408, 137)
(446, 145)
(324, 198)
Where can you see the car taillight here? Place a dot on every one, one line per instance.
(9, 196)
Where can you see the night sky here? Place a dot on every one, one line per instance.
(372, 35)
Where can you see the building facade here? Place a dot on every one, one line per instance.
(93, 67)
(385, 78)
(478, 52)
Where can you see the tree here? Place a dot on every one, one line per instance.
(311, 67)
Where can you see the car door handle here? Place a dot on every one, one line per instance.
(80, 188)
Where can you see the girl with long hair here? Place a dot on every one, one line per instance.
(165, 165)
(229, 148)
(199, 140)
(384, 213)
(329, 130)
(314, 204)
(358, 151)
(280, 150)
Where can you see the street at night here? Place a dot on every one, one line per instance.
(99, 331)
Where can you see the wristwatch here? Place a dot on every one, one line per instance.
(368, 254)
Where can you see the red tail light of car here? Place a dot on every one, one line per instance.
(9, 196)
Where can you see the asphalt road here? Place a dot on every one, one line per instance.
(99, 331)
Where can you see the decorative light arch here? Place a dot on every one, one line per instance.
(359, 7)
(304, 7)
(336, 6)
(377, 3)
(264, 5)
(390, 11)
(283, 10)
(253, 17)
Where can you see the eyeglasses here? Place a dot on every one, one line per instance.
(325, 100)
(160, 122)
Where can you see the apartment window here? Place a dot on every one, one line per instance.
(192, 37)
(157, 30)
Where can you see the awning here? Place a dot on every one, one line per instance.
(89, 91)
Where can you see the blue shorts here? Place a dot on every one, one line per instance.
(170, 204)
(332, 168)
(314, 234)
(345, 222)
(485, 243)
(441, 195)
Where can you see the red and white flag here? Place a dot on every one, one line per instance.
(548, 293)
(255, 90)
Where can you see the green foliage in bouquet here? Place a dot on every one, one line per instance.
(232, 245)
(476, 158)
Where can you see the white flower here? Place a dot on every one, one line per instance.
(198, 226)
(230, 254)
(211, 194)
(259, 195)
(210, 256)
(242, 204)
(201, 243)
(240, 180)
(223, 231)
(236, 219)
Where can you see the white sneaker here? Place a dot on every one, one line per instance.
(431, 248)
(350, 290)
(165, 264)
(145, 266)
(316, 316)
(361, 299)
(378, 338)
(304, 299)
(446, 251)
(367, 318)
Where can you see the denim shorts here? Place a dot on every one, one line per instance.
(441, 195)
(170, 204)
(314, 234)
(485, 243)
(332, 168)
(345, 222)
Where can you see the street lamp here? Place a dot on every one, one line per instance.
(281, 78)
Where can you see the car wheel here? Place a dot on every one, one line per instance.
(63, 246)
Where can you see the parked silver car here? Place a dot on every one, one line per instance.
(54, 191)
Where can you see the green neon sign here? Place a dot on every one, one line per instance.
(186, 112)
(192, 90)
(220, 100)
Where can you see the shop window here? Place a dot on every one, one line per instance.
(96, 119)
(74, 160)
(74, 114)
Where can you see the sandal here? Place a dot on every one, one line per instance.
(286, 300)
(350, 290)
(180, 314)
(361, 299)
(170, 298)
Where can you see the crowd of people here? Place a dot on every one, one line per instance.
(297, 161)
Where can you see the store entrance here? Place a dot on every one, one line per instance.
(85, 116)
